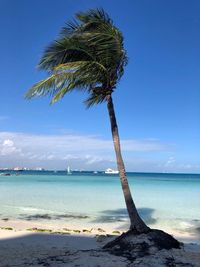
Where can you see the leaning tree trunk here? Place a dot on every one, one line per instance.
(137, 224)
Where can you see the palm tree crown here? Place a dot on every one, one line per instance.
(88, 55)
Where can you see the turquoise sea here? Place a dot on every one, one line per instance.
(167, 201)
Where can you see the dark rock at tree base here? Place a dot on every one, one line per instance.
(134, 245)
(163, 240)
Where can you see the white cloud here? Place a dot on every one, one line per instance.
(170, 162)
(142, 145)
(55, 151)
(176, 165)
(8, 148)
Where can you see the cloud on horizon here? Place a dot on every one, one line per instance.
(85, 152)
(55, 151)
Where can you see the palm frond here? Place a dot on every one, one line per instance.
(71, 66)
(93, 16)
(94, 99)
(70, 28)
(62, 51)
(90, 71)
(88, 54)
(49, 85)
(57, 96)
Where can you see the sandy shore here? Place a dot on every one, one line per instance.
(45, 246)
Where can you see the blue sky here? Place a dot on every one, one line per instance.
(157, 100)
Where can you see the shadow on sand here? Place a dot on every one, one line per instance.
(44, 249)
(121, 215)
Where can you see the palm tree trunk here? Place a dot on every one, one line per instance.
(137, 224)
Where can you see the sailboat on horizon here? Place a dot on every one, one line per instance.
(69, 170)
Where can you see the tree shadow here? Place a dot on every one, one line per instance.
(121, 215)
(44, 249)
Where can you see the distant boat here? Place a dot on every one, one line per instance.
(40, 169)
(18, 169)
(68, 170)
(111, 171)
(95, 172)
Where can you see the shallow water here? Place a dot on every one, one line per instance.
(164, 200)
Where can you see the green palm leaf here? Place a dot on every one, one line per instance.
(87, 54)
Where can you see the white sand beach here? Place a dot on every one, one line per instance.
(59, 248)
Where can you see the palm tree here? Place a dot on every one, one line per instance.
(89, 55)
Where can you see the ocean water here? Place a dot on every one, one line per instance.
(166, 201)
